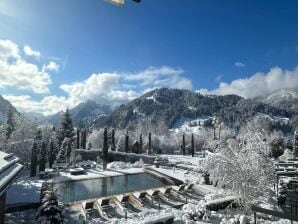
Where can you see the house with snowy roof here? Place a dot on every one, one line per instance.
(9, 169)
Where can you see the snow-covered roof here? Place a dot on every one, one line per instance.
(9, 169)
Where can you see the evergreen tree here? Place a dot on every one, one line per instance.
(68, 149)
(149, 144)
(34, 159)
(192, 145)
(105, 148)
(126, 142)
(78, 138)
(83, 139)
(113, 140)
(66, 129)
(38, 136)
(183, 144)
(10, 122)
(51, 211)
(43, 157)
(141, 144)
(52, 153)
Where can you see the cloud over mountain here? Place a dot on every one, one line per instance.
(259, 84)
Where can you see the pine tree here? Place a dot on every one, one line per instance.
(126, 142)
(105, 148)
(51, 211)
(52, 153)
(83, 138)
(78, 138)
(43, 157)
(68, 149)
(141, 144)
(113, 140)
(10, 122)
(38, 136)
(183, 144)
(34, 158)
(66, 129)
(192, 145)
(149, 144)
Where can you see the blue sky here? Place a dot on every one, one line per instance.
(95, 50)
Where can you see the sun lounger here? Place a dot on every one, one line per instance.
(189, 187)
(87, 208)
(103, 202)
(153, 192)
(139, 194)
(107, 208)
(165, 190)
(179, 188)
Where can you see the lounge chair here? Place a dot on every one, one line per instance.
(88, 208)
(179, 188)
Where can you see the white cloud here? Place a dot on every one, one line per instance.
(29, 52)
(159, 77)
(51, 66)
(102, 87)
(239, 64)
(17, 72)
(8, 49)
(105, 88)
(260, 84)
(47, 106)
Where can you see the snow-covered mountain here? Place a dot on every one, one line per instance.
(169, 106)
(3, 109)
(286, 98)
(85, 112)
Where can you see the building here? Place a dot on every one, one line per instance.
(9, 169)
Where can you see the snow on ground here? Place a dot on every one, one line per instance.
(185, 162)
(23, 217)
(187, 159)
(185, 124)
(185, 176)
(127, 168)
(24, 190)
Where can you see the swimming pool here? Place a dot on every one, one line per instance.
(72, 191)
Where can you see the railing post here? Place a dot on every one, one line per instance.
(255, 217)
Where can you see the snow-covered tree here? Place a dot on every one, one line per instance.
(242, 165)
(105, 148)
(84, 138)
(192, 146)
(10, 124)
(66, 128)
(96, 138)
(113, 145)
(65, 150)
(43, 157)
(126, 146)
(52, 152)
(34, 159)
(51, 210)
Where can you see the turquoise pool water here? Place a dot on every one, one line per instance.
(87, 189)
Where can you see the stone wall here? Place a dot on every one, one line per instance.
(114, 156)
